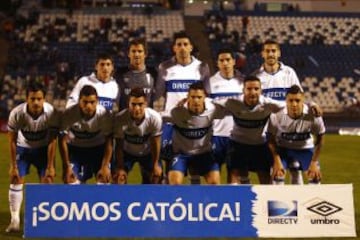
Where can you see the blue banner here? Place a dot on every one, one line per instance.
(138, 211)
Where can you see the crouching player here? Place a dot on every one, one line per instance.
(86, 140)
(291, 134)
(192, 137)
(32, 136)
(137, 131)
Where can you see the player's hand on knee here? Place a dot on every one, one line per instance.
(104, 175)
(278, 172)
(69, 176)
(313, 172)
(49, 175)
(156, 175)
(120, 177)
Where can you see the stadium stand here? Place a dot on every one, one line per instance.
(57, 47)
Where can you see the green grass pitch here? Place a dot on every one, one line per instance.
(339, 162)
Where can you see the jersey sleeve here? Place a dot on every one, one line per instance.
(13, 123)
(157, 124)
(272, 104)
(318, 127)
(74, 95)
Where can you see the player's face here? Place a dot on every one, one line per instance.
(137, 55)
(104, 69)
(252, 92)
(226, 63)
(271, 54)
(35, 101)
(294, 104)
(137, 107)
(182, 49)
(88, 105)
(196, 101)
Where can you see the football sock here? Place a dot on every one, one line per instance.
(296, 177)
(15, 200)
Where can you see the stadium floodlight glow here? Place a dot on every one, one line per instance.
(191, 1)
(205, 2)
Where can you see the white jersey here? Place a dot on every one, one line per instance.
(108, 92)
(174, 80)
(137, 137)
(192, 133)
(275, 85)
(86, 133)
(222, 88)
(249, 123)
(33, 133)
(295, 133)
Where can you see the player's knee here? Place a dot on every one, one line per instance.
(175, 178)
(294, 166)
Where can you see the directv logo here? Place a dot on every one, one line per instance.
(281, 212)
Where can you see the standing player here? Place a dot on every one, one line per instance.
(102, 80)
(226, 83)
(32, 136)
(86, 141)
(174, 78)
(137, 74)
(192, 137)
(137, 131)
(276, 78)
(248, 150)
(291, 138)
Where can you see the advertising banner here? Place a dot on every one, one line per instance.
(188, 211)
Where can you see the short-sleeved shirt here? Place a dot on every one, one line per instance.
(137, 136)
(108, 92)
(250, 122)
(86, 133)
(129, 79)
(275, 85)
(295, 133)
(222, 88)
(193, 132)
(33, 133)
(175, 79)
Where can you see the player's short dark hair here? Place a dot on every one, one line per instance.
(294, 89)
(198, 85)
(104, 56)
(270, 41)
(137, 92)
(225, 50)
(35, 86)
(251, 78)
(139, 41)
(182, 34)
(88, 90)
